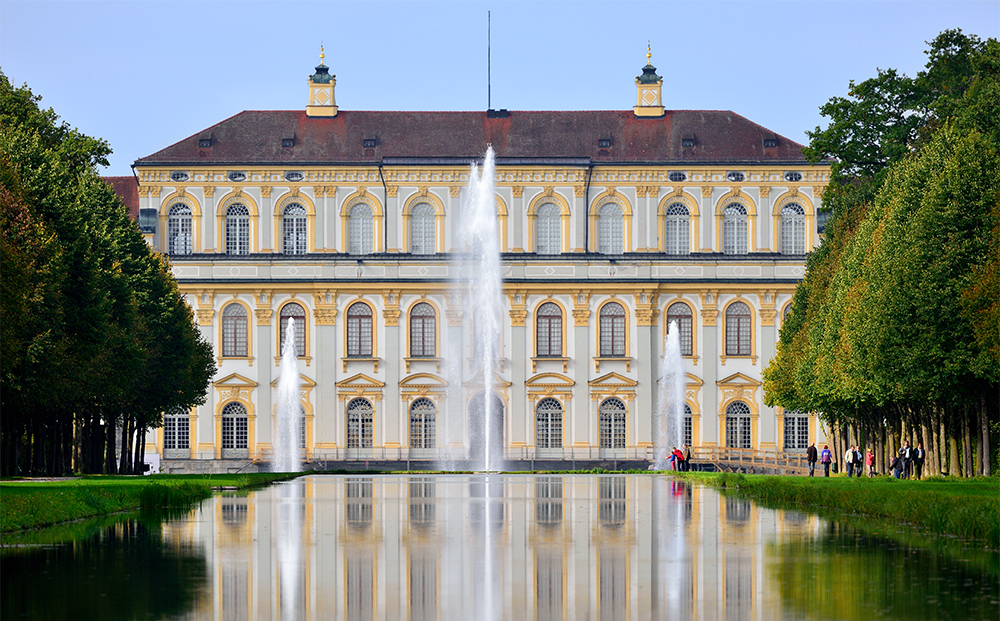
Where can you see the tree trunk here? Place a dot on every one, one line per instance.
(109, 449)
(140, 451)
(953, 466)
(932, 465)
(984, 422)
(880, 449)
(967, 445)
(126, 453)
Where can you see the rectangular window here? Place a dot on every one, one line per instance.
(688, 431)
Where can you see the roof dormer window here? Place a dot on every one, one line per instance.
(603, 143)
(288, 140)
(205, 140)
(770, 143)
(370, 143)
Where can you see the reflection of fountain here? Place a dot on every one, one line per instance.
(289, 414)
(670, 409)
(479, 286)
(288, 527)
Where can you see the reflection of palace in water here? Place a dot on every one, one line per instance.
(561, 547)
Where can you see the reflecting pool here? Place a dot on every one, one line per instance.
(491, 547)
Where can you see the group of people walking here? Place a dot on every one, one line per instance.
(908, 461)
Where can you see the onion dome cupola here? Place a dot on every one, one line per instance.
(649, 87)
(321, 87)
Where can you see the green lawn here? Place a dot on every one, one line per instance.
(32, 504)
(965, 508)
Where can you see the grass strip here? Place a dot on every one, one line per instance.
(964, 508)
(33, 504)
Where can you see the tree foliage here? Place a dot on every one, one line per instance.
(897, 322)
(96, 336)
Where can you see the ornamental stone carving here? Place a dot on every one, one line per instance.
(155, 191)
(765, 191)
(517, 190)
(209, 191)
(454, 316)
(581, 316)
(205, 316)
(818, 190)
(454, 190)
(325, 315)
(517, 317)
(264, 316)
(767, 316)
(706, 191)
(579, 191)
(391, 316)
(392, 191)
(709, 316)
(265, 191)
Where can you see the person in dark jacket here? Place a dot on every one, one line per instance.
(918, 459)
(896, 466)
(811, 456)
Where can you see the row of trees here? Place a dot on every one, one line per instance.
(96, 339)
(894, 334)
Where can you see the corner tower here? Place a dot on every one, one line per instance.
(321, 86)
(649, 86)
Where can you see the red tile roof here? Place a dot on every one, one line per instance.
(128, 190)
(255, 137)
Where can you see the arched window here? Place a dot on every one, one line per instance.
(234, 427)
(738, 334)
(176, 430)
(423, 424)
(179, 230)
(610, 226)
(548, 424)
(793, 229)
(548, 230)
(422, 229)
(234, 331)
(738, 425)
(296, 312)
(677, 230)
(293, 229)
(237, 229)
(548, 326)
(688, 425)
(796, 431)
(734, 229)
(359, 330)
(612, 423)
(681, 313)
(613, 330)
(423, 342)
(360, 422)
(361, 230)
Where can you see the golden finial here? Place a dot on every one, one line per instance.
(321, 54)
(649, 53)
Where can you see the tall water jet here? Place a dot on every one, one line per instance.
(287, 419)
(670, 410)
(479, 286)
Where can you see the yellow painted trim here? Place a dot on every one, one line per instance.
(432, 199)
(378, 215)
(753, 329)
(692, 205)
(736, 195)
(374, 309)
(562, 322)
(305, 308)
(810, 217)
(628, 327)
(694, 325)
(557, 199)
(611, 195)
(192, 203)
(233, 198)
(437, 325)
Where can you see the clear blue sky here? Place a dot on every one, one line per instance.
(145, 74)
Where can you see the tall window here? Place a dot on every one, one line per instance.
(361, 230)
(612, 423)
(423, 424)
(422, 331)
(738, 329)
(548, 424)
(234, 331)
(422, 229)
(548, 326)
(293, 229)
(688, 425)
(738, 425)
(793, 229)
(734, 229)
(360, 421)
(293, 311)
(677, 230)
(176, 430)
(681, 313)
(796, 431)
(237, 229)
(613, 330)
(234, 426)
(359, 330)
(610, 226)
(548, 230)
(179, 230)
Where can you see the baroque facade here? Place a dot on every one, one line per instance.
(612, 224)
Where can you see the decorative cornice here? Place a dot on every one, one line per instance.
(264, 316)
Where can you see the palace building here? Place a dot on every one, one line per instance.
(612, 223)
